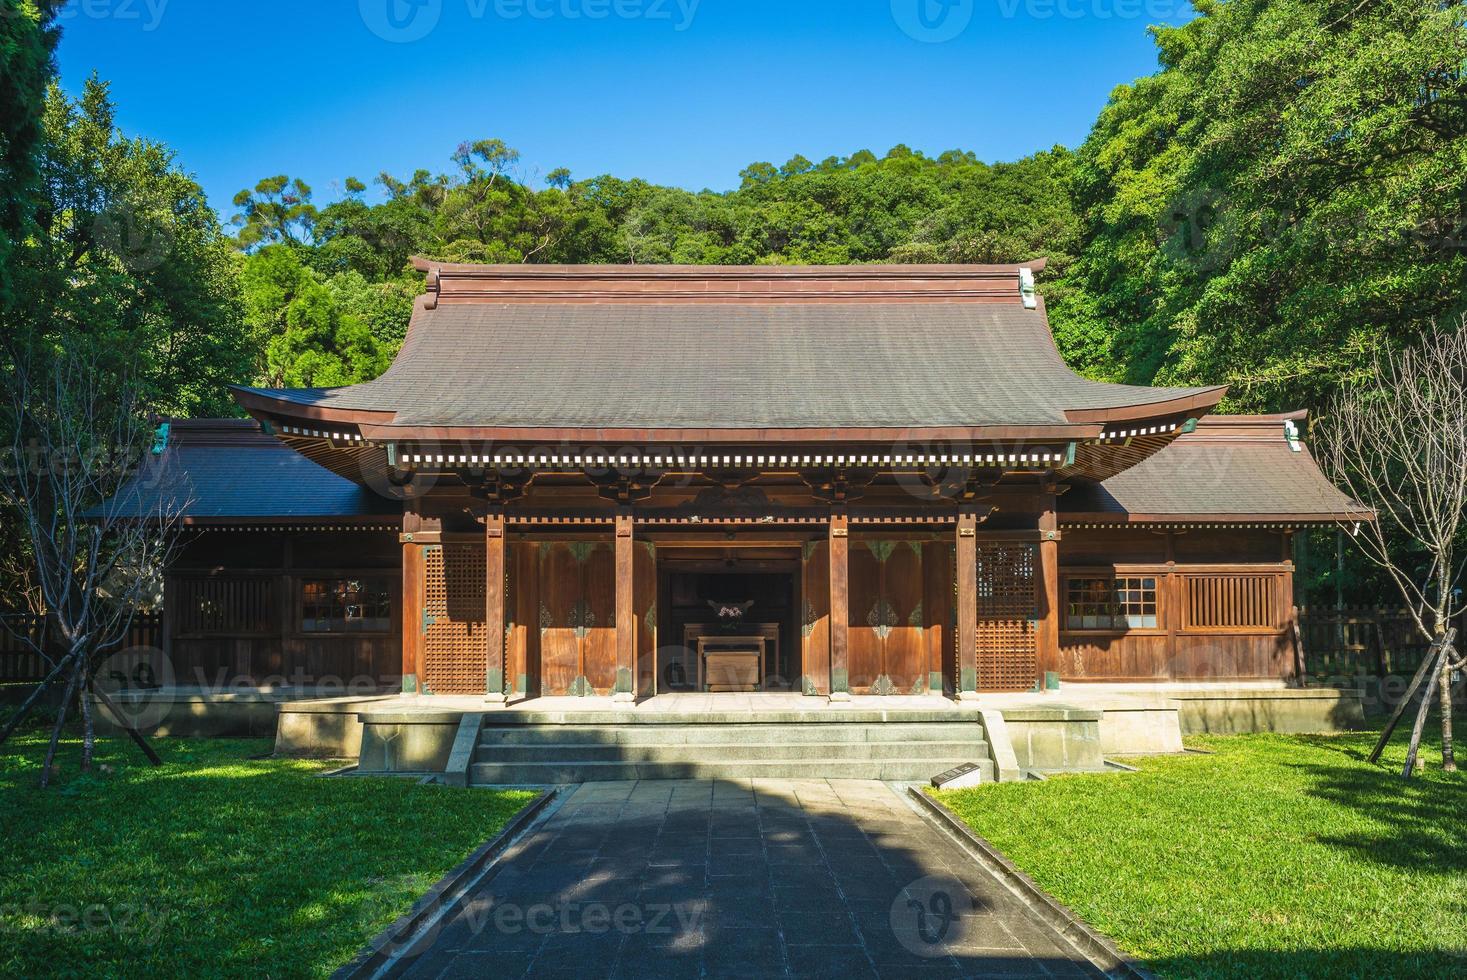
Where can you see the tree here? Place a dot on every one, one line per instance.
(27, 42)
(76, 438)
(126, 256)
(1396, 440)
(1284, 193)
(279, 209)
(304, 336)
(485, 160)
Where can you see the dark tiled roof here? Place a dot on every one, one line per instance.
(225, 469)
(1240, 466)
(730, 366)
(794, 349)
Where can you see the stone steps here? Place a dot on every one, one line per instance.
(575, 750)
(554, 773)
(754, 733)
(705, 752)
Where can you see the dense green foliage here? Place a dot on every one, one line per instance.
(124, 264)
(1276, 856)
(903, 207)
(1284, 195)
(27, 40)
(222, 863)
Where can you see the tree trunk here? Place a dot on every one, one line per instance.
(56, 731)
(1449, 761)
(89, 732)
(132, 733)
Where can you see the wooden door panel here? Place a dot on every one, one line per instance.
(905, 655)
(1008, 647)
(815, 618)
(937, 615)
(598, 662)
(644, 599)
(523, 619)
(560, 614)
(870, 614)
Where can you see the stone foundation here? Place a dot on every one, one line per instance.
(1056, 738)
(1292, 711)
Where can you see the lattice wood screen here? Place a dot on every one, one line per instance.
(455, 647)
(1232, 601)
(1008, 647)
(227, 606)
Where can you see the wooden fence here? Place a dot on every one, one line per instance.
(20, 663)
(1355, 642)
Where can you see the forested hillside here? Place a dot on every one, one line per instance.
(1287, 193)
(328, 292)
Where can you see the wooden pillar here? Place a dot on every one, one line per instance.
(1169, 599)
(840, 605)
(1049, 587)
(412, 607)
(967, 599)
(626, 610)
(494, 568)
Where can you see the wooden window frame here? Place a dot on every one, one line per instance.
(1158, 573)
(177, 582)
(1186, 575)
(382, 581)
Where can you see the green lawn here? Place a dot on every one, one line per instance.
(218, 864)
(1282, 856)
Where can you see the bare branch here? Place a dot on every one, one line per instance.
(1397, 442)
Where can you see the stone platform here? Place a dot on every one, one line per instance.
(900, 738)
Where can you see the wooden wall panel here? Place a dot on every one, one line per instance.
(1215, 657)
(905, 656)
(644, 593)
(561, 618)
(1228, 546)
(1008, 650)
(938, 568)
(455, 642)
(523, 640)
(815, 618)
(868, 614)
(599, 585)
(1216, 621)
(1087, 546)
(1117, 658)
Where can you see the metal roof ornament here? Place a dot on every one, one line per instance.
(1291, 433)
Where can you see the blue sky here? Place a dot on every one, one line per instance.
(682, 92)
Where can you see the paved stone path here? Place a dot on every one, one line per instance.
(750, 878)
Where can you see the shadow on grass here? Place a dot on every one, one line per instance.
(1417, 824)
(216, 863)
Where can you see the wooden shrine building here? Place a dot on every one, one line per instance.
(627, 481)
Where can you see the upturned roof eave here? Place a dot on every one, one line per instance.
(382, 426)
(1198, 403)
(729, 435)
(1123, 519)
